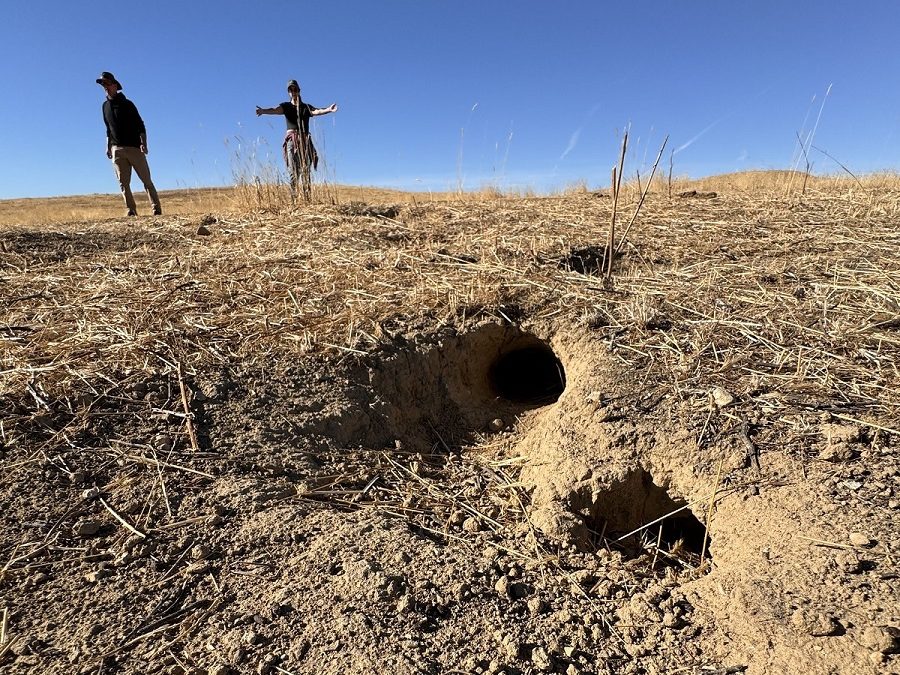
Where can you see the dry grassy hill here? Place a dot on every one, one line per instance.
(401, 433)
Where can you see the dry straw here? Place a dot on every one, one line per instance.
(791, 307)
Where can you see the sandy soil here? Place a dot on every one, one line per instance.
(503, 464)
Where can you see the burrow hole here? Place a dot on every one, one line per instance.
(672, 530)
(527, 373)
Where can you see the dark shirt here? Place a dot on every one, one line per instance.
(290, 115)
(124, 125)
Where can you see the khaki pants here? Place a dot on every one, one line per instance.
(125, 158)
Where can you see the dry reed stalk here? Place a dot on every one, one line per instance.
(128, 526)
(615, 185)
(643, 194)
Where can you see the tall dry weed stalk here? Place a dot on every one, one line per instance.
(261, 182)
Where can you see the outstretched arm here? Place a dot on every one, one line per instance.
(269, 111)
(323, 111)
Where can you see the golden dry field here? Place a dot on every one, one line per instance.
(461, 433)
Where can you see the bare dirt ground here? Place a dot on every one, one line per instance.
(434, 438)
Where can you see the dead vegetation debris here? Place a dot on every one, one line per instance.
(177, 416)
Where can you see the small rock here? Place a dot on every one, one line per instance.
(860, 540)
(836, 452)
(198, 567)
(816, 624)
(90, 493)
(882, 639)
(405, 604)
(200, 552)
(595, 397)
(536, 606)
(840, 433)
(87, 528)
(671, 621)
(847, 561)
(497, 424)
(852, 484)
(471, 524)
(511, 648)
(251, 637)
(721, 397)
(541, 659)
(203, 230)
(503, 586)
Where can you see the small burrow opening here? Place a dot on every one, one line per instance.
(641, 517)
(528, 374)
(588, 260)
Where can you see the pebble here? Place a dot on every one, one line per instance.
(595, 397)
(670, 620)
(540, 658)
(198, 567)
(87, 528)
(881, 639)
(536, 606)
(200, 552)
(848, 562)
(90, 493)
(861, 540)
(497, 424)
(251, 637)
(721, 397)
(815, 624)
(471, 524)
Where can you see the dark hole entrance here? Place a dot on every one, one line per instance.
(530, 375)
(665, 526)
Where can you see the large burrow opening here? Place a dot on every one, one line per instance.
(527, 373)
(443, 392)
(639, 516)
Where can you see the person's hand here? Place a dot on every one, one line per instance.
(108, 153)
(333, 107)
(258, 111)
(144, 148)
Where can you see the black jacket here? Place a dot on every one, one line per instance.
(124, 125)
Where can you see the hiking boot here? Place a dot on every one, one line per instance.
(131, 212)
(157, 210)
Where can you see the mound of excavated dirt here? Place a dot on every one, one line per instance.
(342, 442)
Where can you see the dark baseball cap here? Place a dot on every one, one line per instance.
(292, 83)
(108, 77)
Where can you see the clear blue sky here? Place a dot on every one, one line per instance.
(517, 93)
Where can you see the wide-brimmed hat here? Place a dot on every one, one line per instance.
(108, 77)
(292, 83)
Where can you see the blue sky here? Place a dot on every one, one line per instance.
(432, 93)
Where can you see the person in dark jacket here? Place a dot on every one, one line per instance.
(126, 142)
(298, 149)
